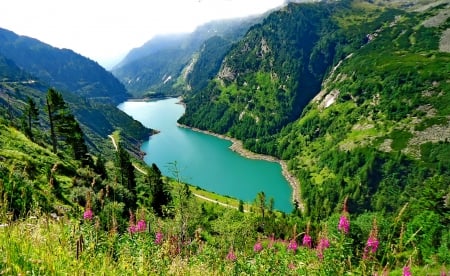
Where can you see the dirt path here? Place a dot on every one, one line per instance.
(218, 202)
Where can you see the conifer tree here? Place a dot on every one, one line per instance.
(31, 115)
(126, 176)
(160, 193)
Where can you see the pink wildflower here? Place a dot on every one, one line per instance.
(132, 229)
(292, 245)
(141, 226)
(158, 237)
(323, 244)
(88, 214)
(406, 271)
(231, 256)
(291, 266)
(344, 224)
(372, 244)
(257, 247)
(372, 241)
(307, 240)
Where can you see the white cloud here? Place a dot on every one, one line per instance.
(107, 29)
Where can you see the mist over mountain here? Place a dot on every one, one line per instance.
(160, 65)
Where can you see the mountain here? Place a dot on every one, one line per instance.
(29, 67)
(62, 68)
(161, 64)
(353, 95)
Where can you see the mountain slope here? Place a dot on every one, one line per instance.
(275, 70)
(157, 66)
(62, 68)
(378, 131)
(94, 109)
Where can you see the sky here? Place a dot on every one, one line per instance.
(106, 30)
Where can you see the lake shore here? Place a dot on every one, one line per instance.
(238, 147)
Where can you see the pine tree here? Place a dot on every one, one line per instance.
(126, 176)
(31, 115)
(64, 126)
(160, 192)
(55, 108)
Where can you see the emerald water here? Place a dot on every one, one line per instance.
(203, 160)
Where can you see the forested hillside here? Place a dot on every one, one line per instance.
(355, 96)
(29, 67)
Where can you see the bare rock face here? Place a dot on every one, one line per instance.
(227, 73)
(444, 44)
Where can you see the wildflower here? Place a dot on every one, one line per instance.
(292, 245)
(291, 266)
(231, 256)
(257, 247)
(307, 240)
(372, 241)
(406, 271)
(344, 224)
(372, 244)
(88, 214)
(141, 226)
(323, 244)
(132, 227)
(158, 237)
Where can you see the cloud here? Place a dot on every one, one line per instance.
(107, 29)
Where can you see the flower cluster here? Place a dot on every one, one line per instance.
(88, 214)
(140, 226)
(257, 247)
(372, 242)
(231, 256)
(344, 223)
(307, 241)
(159, 237)
(324, 243)
(292, 245)
(406, 271)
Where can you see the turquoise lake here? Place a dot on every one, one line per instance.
(204, 160)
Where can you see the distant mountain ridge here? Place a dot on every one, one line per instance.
(159, 65)
(62, 68)
(29, 67)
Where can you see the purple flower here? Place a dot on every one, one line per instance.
(406, 271)
(257, 247)
(88, 214)
(344, 224)
(231, 256)
(141, 226)
(372, 244)
(132, 229)
(292, 245)
(307, 241)
(323, 244)
(158, 237)
(291, 266)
